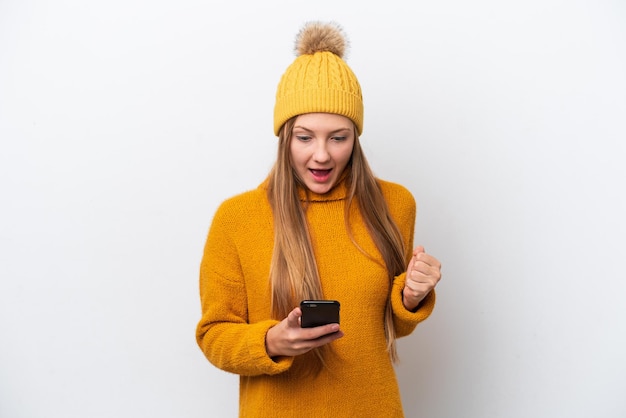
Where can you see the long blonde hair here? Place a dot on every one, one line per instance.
(293, 271)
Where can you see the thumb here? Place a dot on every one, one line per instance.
(293, 319)
(418, 249)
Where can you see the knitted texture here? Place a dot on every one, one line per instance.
(319, 80)
(360, 380)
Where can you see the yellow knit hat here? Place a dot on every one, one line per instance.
(319, 80)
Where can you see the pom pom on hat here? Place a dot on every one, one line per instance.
(319, 80)
(317, 37)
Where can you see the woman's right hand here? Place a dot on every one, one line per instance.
(287, 338)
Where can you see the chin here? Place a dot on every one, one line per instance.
(320, 188)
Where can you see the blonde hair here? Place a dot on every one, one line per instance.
(293, 271)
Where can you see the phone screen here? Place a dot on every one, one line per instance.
(319, 312)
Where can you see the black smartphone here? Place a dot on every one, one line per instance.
(319, 312)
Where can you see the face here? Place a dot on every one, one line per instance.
(321, 147)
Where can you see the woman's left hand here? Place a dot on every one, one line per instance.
(422, 275)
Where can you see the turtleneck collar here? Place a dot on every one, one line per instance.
(338, 192)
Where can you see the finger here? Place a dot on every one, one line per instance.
(327, 338)
(319, 332)
(293, 319)
(428, 259)
(423, 272)
(423, 275)
(422, 267)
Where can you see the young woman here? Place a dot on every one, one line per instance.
(321, 226)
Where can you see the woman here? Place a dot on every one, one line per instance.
(321, 226)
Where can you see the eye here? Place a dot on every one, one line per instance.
(303, 138)
(338, 138)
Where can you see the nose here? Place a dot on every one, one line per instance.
(321, 154)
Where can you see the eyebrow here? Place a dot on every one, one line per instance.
(331, 133)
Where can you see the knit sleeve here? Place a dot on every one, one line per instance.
(406, 321)
(224, 333)
(404, 210)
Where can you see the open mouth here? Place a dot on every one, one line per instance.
(320, 175)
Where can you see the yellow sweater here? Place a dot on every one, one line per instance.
(234, 289)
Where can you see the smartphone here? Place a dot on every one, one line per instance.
(319, 312)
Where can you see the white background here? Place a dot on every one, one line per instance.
(123, 124)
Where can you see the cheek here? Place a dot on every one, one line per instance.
(345, 155)
(297, 156)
